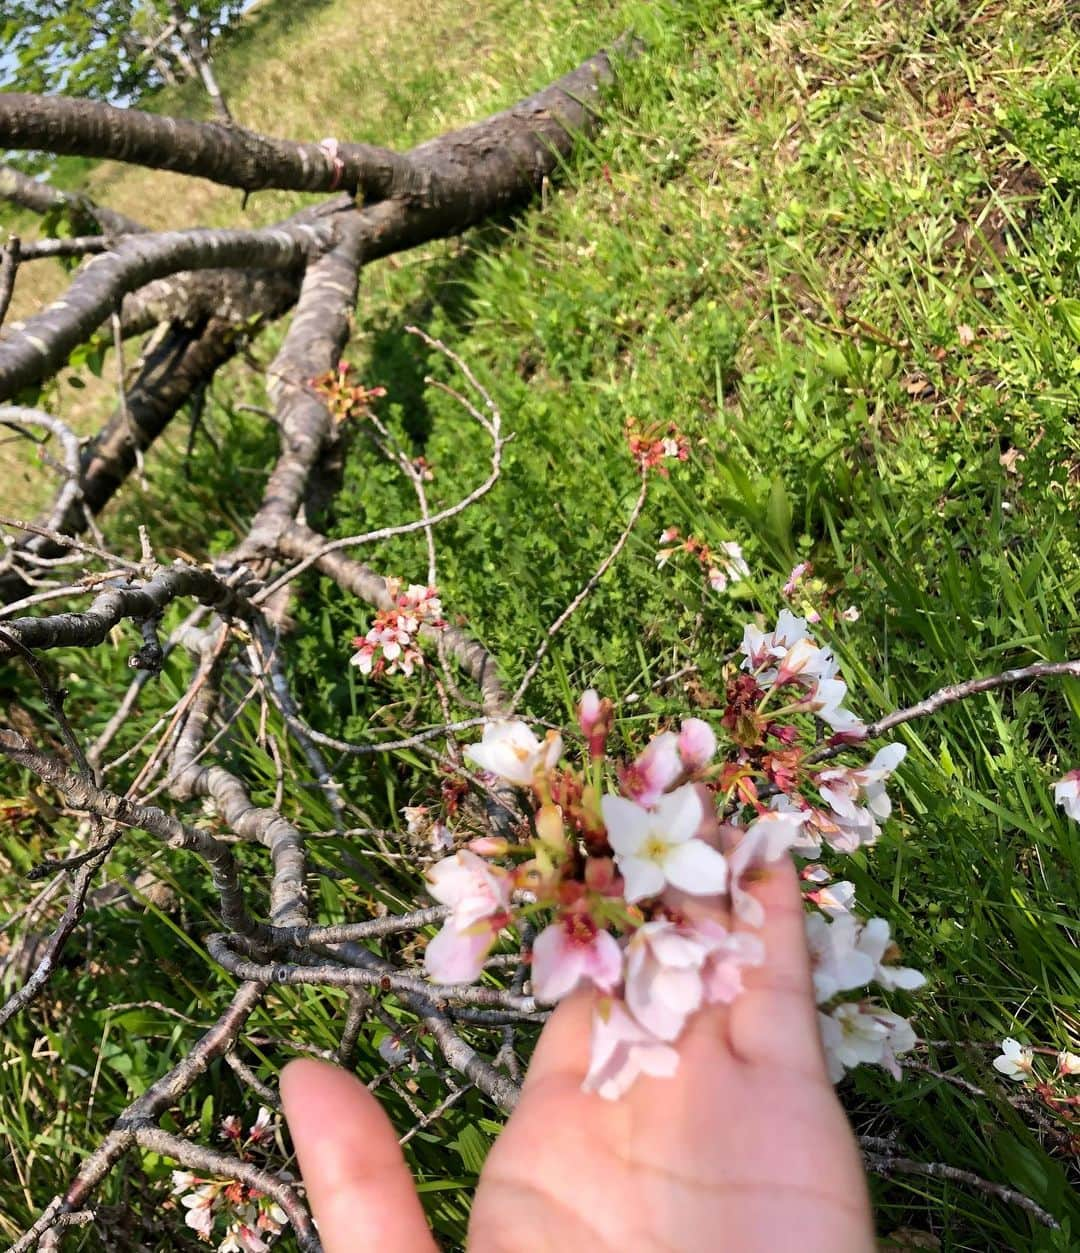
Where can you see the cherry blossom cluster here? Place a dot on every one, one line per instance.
(390, 644)
(1017, 1061)
(251, 1221)
(651, 449)
(721, 568)
(634, 875)
(344, 398)
(1045, 1074)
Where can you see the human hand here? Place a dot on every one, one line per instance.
(745, 1149)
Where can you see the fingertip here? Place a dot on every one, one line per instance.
(359, 1187)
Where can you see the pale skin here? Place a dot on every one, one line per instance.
(745, 1150)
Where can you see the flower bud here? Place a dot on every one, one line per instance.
(549, 827)
(697, 744)
(595, 718)
(488, 846)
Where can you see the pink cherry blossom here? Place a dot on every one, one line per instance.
(655, 847)
(664, 984)
(200, 1209)
(696, 744)
(767, 839)
(472, 887)
(804, 662)
(572, 951)
(589, 711)
(654, 771)
(795, 578)
(456, 954)
(595, 719)
(621, 1050)
(478, 895)
(729, 952)
(833, 898)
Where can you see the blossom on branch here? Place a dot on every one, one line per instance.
(478, 895)
(1014, 1061)
(631, 864)
(511, 751)
(655, 847)
(390, 644)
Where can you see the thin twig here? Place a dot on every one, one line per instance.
(583, 595)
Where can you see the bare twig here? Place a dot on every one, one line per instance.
(583, 595)
(889, 1164)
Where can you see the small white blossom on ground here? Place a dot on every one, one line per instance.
(1014, 1061)
(1067, 794)
(252, 1220)
(1068, 1064)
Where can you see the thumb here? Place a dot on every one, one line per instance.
(360, 1190)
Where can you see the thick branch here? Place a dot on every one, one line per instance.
(32, 350)
(115, 604)
(229, 155)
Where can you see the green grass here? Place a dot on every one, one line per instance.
(837, 245)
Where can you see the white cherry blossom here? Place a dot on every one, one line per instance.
(655, 847)
(1014, 1061)
(876, 942)
(510, 750)
(837, 962)
(858, 1033)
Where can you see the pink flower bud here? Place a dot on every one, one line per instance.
(697, 744)
(589, 711)
(488, 846)
(595, 717)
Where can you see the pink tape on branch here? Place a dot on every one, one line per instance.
(330, 147)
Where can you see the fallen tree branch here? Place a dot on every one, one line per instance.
(889, 1164)
(32, 350)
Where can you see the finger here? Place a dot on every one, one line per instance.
(360, 1190)
(563, 1048)
(774, 1021)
